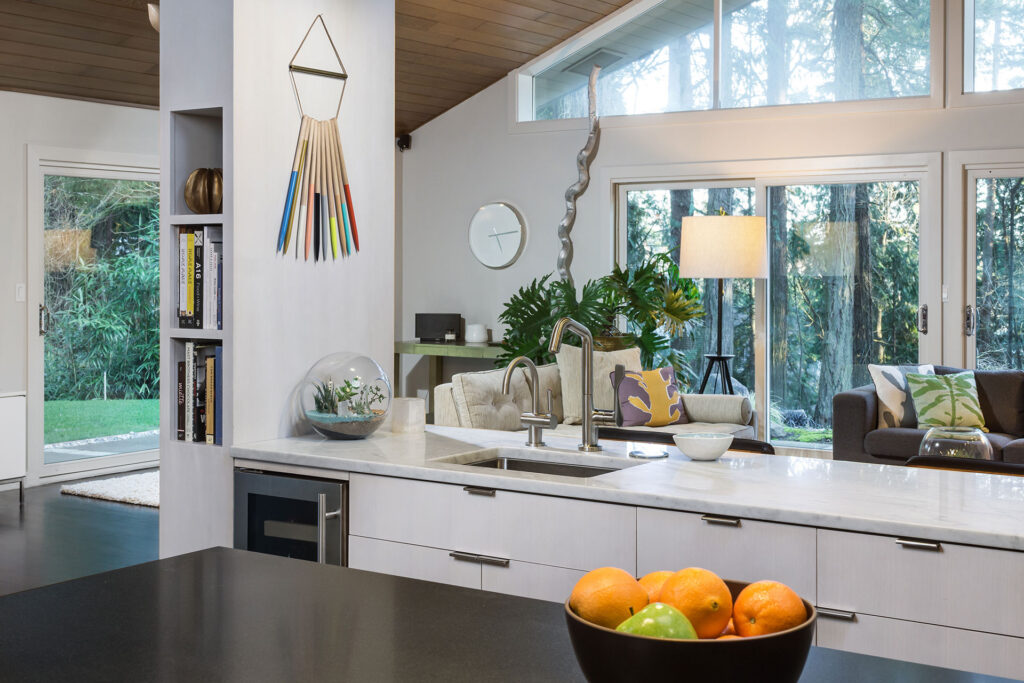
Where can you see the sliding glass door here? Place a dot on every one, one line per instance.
(855, 279)
(652, 218)
(994, 315)
(844, 293)
(94, 291)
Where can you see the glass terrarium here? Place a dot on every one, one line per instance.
(346, 396)
(956, 442)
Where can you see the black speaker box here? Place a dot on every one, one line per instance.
(432, 327)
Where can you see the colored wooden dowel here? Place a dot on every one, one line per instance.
(297, 189)
(339, 204)
(332, 210)
(291, 187)
(342, 195)
(310, 206)
(348, 196)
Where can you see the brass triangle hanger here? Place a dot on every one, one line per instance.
(341, 75)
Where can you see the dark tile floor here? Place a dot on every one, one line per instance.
(57, 537)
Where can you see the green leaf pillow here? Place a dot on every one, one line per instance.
(946, 400)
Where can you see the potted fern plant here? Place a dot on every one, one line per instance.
(655, 304)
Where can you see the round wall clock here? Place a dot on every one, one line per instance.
(497, 234)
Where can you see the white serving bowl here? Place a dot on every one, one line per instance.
(703, 446)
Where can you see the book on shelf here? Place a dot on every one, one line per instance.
(210, 397)
(200, 393)
(200, 259)
(181, 401)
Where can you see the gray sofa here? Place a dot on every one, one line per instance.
(475, 399)
(857, 438)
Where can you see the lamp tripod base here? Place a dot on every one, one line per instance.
(722, 362)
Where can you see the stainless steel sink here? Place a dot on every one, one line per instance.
(557, 463)
(540, 467)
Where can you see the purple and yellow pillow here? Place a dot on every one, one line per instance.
(650, 398)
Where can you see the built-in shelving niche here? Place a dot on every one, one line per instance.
(197, 141)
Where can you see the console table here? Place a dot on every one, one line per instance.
(436, 352)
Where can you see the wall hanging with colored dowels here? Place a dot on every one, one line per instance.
(319, 220)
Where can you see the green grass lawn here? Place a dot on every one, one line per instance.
(73, 420)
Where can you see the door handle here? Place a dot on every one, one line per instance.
(479, 491)
(44, 320)
(922, 319)
(840, 614)
(322, 515)
(920, 545)
(478, 559)
(718, 519)
(970, 320)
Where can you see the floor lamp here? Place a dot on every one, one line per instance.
(720, 247)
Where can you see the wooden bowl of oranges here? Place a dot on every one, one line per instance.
(687, 625)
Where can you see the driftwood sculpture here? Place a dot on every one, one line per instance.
(575, 190)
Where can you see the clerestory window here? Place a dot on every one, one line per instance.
(662, 58)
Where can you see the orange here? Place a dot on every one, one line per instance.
(702, 596)
(652, 583)
(767, 607)
(730, 630)
(607, 597)
(728, 636)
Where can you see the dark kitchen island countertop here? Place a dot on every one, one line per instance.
(229, 615)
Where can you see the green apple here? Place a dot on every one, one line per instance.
(659, 620)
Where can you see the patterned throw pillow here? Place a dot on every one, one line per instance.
(650, 398)
(895, 407)
(946, 400)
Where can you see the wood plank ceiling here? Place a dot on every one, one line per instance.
(446, 50)
(90, 49)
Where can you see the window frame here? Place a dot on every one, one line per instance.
(959, 267)
(957, 52)
(520, 82)
(926, 168)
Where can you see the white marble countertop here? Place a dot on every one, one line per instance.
(955, 507)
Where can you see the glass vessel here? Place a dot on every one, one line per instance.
(345, 396)
(956, 442)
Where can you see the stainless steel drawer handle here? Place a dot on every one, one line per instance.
(321, 526)
(920, 545)
(479, 491)
(479, 559)
(840, 614)
(724, 521)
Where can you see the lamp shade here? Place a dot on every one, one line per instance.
(723, 247)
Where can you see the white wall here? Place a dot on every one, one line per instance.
(50, 122)
(468, 157)
(289, 313)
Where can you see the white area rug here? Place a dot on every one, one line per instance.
(137, 489)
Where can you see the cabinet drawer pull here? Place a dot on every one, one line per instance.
(840, 614)
(479, 491)
(479, 559)
(920, 545)
(724, 521)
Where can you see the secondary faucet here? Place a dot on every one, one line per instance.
(587, 383)
(535, 421)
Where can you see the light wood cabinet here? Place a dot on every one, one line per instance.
(531, 580)
(935, 583)
(952, 648)
(411, 561)
(561, 532)
(733, 548)
(943, 604)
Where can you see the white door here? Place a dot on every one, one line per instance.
(93, 345)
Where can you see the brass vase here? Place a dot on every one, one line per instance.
(204, 190)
